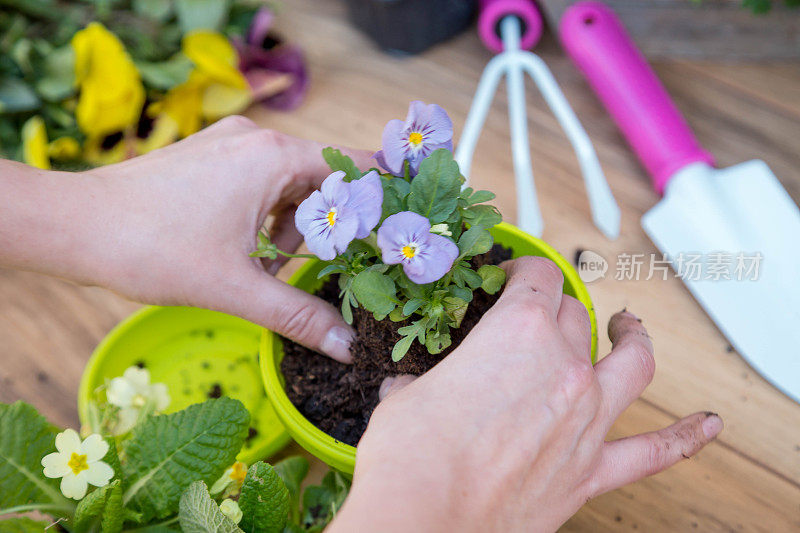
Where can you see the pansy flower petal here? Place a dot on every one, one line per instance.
(366, 200)
(394, 146)
(334, 189)
(438, 254)
(438, 126)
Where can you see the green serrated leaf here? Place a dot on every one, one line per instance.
(475, 241)
(493, 278)
(435, 189)
(437, 342)
(455, 308)
(376, 292)
(198, 513)
(104, 503)
(26, 437)
(264, 500)
(23, 525)
(166, 453)
(460, 292)
(395, 192)
(338, 161)
(485, 216)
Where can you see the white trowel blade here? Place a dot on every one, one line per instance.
(739, 210)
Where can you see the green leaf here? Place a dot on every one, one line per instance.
(200, 514)
(292, 471)
(412, 305)
(435, 189)
(264, 500)
(475, 241)
(347, 311)
(463, 275)
(322, 502)
(23, 525)
(330, 269)
(155, 9)
(395, 192)
(437, 342)
(485, 216)
(166, 453)
(16, 96)
(376, 292)
(493, 278)
(58, 77)
(167, 74)
(201, 14)
(478, 197)
(397, 315)
(455, 308)
(460, 292)
(26, 437)
(401, 347)
(338, 161)
(103, 502)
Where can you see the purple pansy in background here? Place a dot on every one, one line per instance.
(426, 128)
(339, 212)
(275, 71)
(405, 238)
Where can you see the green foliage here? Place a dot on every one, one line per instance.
(425, 313)
(321, 503)
(435, 189)
(16, 96)
(493, 278)
(200, 514)
(26, 437)
(201, 14)
(293, 471)
(103, 505)
(338, 161)
(166, 453)
(22, 525)
(264, 500)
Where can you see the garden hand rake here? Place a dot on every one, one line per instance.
(513, 61)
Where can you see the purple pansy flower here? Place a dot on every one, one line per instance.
(405, 238)
(339, 212)
(427, 128)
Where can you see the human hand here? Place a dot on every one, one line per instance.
(178, 224)
(507, 432)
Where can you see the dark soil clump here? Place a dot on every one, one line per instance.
(338, 398)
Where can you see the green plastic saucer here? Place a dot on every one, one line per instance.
(198, 354)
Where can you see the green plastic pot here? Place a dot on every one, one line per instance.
(192, 351)
(342, 456)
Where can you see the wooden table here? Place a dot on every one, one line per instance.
(748, 480)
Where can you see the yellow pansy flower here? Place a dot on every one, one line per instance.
(215, 87)
(64, 148)
(34, 143)
(106, 150)
(111, 91)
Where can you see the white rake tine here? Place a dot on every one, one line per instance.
(605, 211)
(481, 103)
(529, 216)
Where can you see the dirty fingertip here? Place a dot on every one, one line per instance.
(336, 344)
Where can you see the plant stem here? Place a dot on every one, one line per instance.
(36, 507)
(287, 254)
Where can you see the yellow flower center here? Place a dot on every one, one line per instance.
(138, 400)
(415, 138)
(78, 463)
(331, 216)
(409, 251)
(239, 472)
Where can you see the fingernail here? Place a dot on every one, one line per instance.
(385, 386)
(336, 344)
(712, 425)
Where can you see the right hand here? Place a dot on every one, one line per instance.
(507, 433)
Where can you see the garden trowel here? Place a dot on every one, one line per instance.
(740, 217)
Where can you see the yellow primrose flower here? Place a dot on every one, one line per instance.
(78, 464)
(34, 143)
(132, 392)
(64, 148)
(215, 87)
(111, 91)
(232, 479)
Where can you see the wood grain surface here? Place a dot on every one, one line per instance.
(749, 480)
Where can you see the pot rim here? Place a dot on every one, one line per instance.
(332, 451)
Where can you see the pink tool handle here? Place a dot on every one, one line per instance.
(493, 11)
(618, 72)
